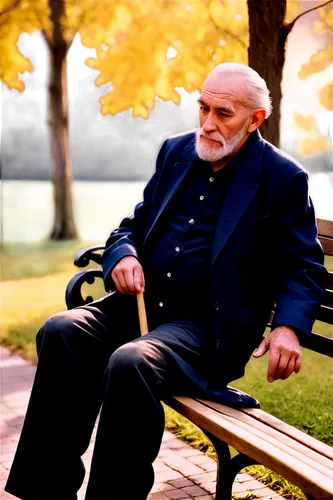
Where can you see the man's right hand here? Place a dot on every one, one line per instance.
(128, 276)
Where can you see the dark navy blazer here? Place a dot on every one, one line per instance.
(265, 249)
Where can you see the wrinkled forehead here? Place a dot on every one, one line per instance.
(224, 86)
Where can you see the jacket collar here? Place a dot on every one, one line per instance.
(239, 195)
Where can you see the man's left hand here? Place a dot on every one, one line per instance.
(285, 356)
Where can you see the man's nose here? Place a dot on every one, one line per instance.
(209, 124)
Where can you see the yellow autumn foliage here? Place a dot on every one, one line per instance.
(144, 49)
(310, 140)
(18, 17)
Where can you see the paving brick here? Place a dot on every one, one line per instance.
(167, 475)
(263, 492)
(7, 448)
(177, 494)
(240, 488)
(205, 497)
(6, 465)
(194, 491)
(210, 487)
(15, 437)
(3, 473)
(175, 444)
(253, 484)
(7, 457)
(209, 466)
(166, 452)
(160, 466)
(158, 496)
(201, 459)
(203, 477)
(17, 396)
(188, 451)
(7, 496)
(240, 478)
(188, 470)
(167, 436)
(175, 461)
(162, 487)
(181, 483)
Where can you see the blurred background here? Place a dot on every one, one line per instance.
(89, 91)
(113, 156)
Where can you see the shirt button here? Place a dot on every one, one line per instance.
(177, 249)
(169, 275)
(191, 221)
(201, 198)
(161, 304)
(211, 179)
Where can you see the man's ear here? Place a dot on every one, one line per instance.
(256, 120)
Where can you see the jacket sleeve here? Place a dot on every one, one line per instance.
(127, 239)
(302, 275)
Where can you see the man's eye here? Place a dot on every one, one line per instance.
(204, 108)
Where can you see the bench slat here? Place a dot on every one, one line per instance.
(327, 245)
(319, 343)
(325, 314)
(325, 227)
(328, 299)
(330, 281)
(299, 450)
(287, 429)
(243, 440)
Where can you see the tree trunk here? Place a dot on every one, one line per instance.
(61, 170)
(266, 51)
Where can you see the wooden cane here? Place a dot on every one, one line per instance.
(142, 314)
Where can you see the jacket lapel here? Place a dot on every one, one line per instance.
(177, 176)
(240, 193)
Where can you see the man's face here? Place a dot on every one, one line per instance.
(224, 120)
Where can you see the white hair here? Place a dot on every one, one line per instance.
(256, 91)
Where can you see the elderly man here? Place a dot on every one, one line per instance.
(224, 211)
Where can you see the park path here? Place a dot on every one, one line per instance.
(181, 472)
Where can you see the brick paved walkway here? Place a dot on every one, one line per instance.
(180, 471)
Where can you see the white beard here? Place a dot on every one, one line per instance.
(217, 152)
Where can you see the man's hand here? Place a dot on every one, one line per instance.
(128, 276)
(285, 353)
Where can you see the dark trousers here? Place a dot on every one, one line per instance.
(93, 356)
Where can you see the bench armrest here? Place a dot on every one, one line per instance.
(86, 255)
(73, 290)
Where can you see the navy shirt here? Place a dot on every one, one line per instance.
(177, 264)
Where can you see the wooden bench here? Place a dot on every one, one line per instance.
(259, 437)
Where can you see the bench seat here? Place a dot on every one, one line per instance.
(299, 458)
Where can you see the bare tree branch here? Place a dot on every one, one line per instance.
(11, 7)
(290, 26)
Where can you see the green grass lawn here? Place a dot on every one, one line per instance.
(34, 278)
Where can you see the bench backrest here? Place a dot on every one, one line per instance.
(316, 342)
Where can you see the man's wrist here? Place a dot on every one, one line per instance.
(288, 328)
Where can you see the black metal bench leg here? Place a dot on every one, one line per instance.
(227, 467)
